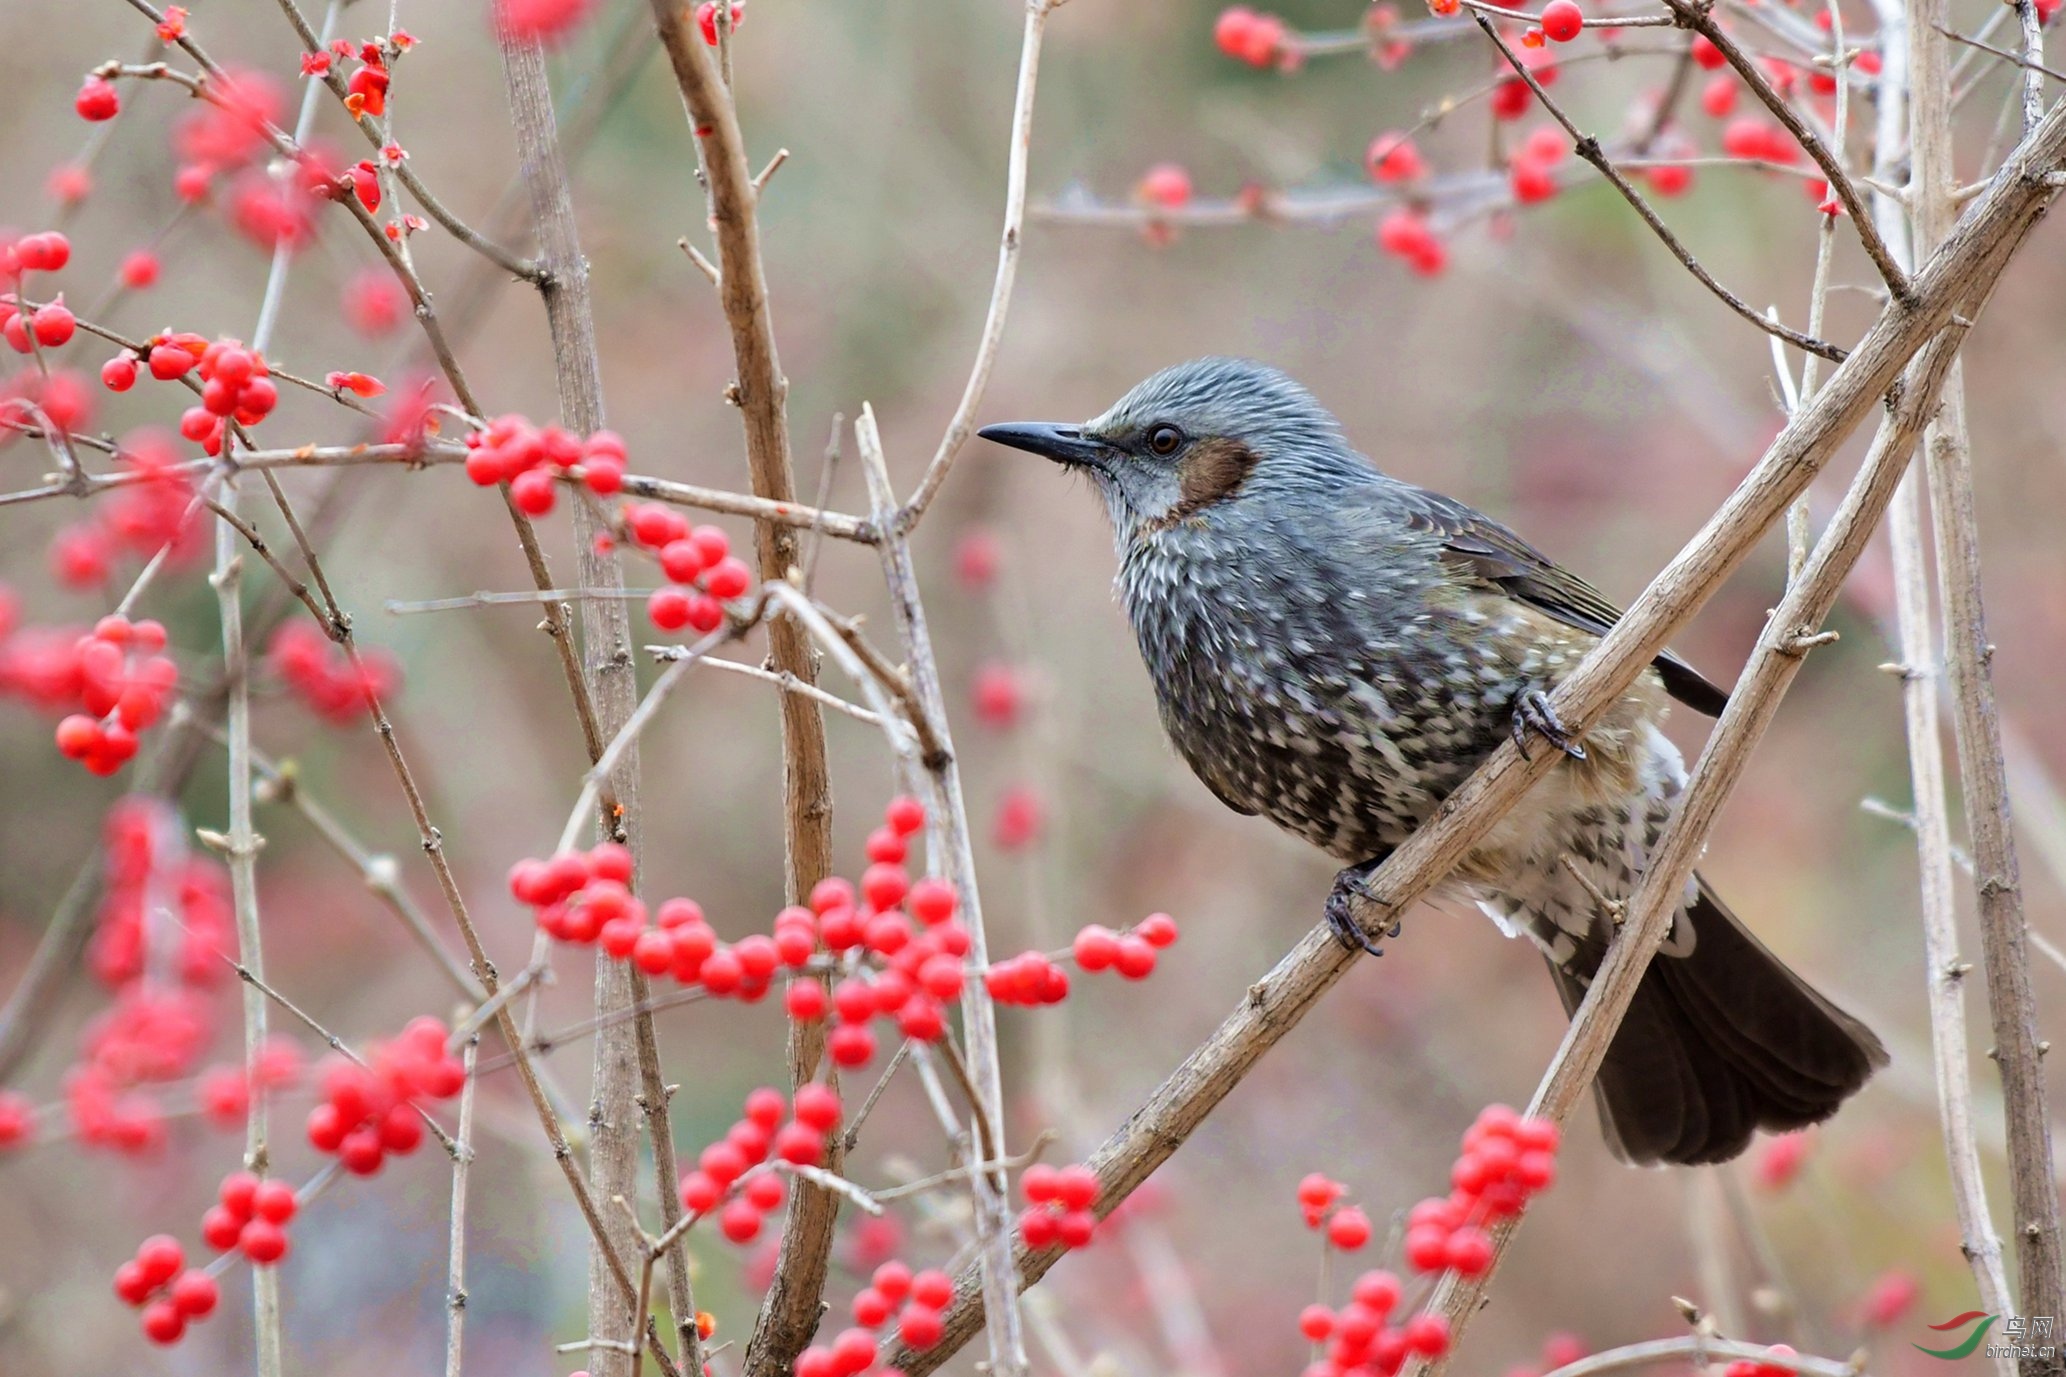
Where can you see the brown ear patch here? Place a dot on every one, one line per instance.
(1212, 469)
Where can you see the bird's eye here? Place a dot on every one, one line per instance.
(1165, 439)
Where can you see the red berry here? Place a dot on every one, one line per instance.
(53, 324)
(728, 579)
(893, 1279)
(932, 1288)
(274, 1200)
(140, 269)
(805, 1000)
(131, 1285)
(1096, 947)
(1136, 959)
(1076, 1187)
(931, 900)
(1316, 1322)
(1076, 1228)
(800, 1145)
(162, 1322)
(739, 1221)
(699, 1193)
(763, 1192)
(118, 374)
(871, 1308)
(1706, 53)
(904, 815)
(160, 1257)
(851, 1045)
(534, 492)
(97, 100)
(195, 1294)
(168, 361)
(1348, 1229)
(921, 1327)
(263, 1241)
(818, 1106)
(1469, 1251)
(1165, 186)
(1561, 20)
(1157, 930)
(1427, 1335)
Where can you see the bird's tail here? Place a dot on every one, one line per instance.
(1721, 1040)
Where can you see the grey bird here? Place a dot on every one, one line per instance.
(1335, 650)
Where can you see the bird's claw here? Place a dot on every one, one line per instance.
(1533, 713)
(1341, 904)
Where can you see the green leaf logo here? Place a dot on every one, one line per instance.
(1972, 1340)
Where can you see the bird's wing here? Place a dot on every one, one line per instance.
(1487, 553)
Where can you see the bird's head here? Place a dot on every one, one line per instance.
(1200, 437)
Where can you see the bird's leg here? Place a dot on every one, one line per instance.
(1533, 713)
(1341, 903)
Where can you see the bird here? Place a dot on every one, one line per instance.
(1335, 650)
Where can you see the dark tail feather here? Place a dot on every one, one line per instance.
(1718, 1044)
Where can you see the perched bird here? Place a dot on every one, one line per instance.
(1336, 650)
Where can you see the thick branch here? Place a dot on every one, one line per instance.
(790, 1314)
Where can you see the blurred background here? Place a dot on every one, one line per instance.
(1564, 375)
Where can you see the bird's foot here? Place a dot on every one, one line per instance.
(1533, 713)
(1340, 912)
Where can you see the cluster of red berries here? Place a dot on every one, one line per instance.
(124, 684)
(1131, 953)
(158, 1282)
(369, 1112)
(702, 572)
(1058, 1206)
(725, 1173)
(532, 460)
(1360, 1338)
(1346, 1227)
(916, 1301)
(148, 864)
(250, 1216)
(322, 675)
(921, 968)
(152, 510)
(1260, 40)
(146, 1036)
(51, 324)
(1506, 1160)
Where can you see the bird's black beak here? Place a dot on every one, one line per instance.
(1063, 444)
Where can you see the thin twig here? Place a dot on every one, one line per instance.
(455, 1269)
(963, 422)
